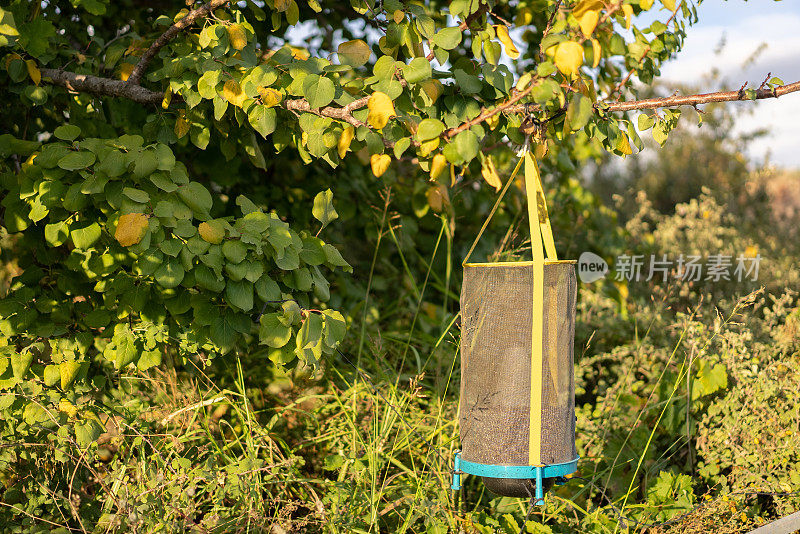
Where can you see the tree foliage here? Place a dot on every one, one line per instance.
(167, 167)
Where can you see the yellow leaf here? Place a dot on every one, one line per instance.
(524, 16)
(65, 406)
(282, 5)
(433, 88)
(569, 57)
(300, 53)
(438, 197)
(628, 12)
(125, 71)
(669, 4)
(586, 5)
(489, 174)
(379, 163)
(68, 371)
(130, 229)
(597, 52)
(165, 102)
(345, 139)
(33, 71)
(502, 34)
(211, 232)
(233, 93)
(751, 251)
(426, 147)
(181, 125)
(236, 36)
(381, 109)
(589, 20)
(493, 121)
(398, 16)
(269, 96)
(438, 165)
(355, 52)
(624, 145)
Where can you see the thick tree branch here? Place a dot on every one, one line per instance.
(138, 71)
(694, 100)
(86, 83)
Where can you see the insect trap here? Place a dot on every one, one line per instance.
(517, 408)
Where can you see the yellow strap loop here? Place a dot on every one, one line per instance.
(541, 242)
(537, 315)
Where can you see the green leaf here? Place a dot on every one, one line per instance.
(207, 84)
(149, 358)
(240, 294)
(335, 258)
(87, 431)
(67, 132)
(318, 90)
(309, 339)
(467, 145)
(262, 119)
(223, 334)
(335, 327)
(86, 236)
(273, 332)
(56, 233)
(645, 121)
(417, 70)
(197, 198)
(137, 195)
(206, 279)
(429, 129)
(68, 372)
(323, 209)
(34, 35)
(20, 363)
(234, 250)
(74, 161)
(579, 111)
(267, 289)
(447, 38)
(170, 274)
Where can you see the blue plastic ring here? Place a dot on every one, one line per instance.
(517, 471)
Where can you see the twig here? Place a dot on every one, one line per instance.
(344, 113)
(704, 98)
(138, 71)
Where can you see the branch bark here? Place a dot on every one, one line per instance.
(138, 71)
(344, 113)
(694, 100)
(86, 83)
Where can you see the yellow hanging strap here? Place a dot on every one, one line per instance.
(537, 316)
(541, 242)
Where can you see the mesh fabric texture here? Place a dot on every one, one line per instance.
(496, 315)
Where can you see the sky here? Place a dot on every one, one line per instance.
(746, 26)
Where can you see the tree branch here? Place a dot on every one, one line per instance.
(86, 83)
(138, 71)
(344, 113)
(107, 87)
(693, 100)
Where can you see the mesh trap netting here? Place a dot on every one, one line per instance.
(496, 310)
